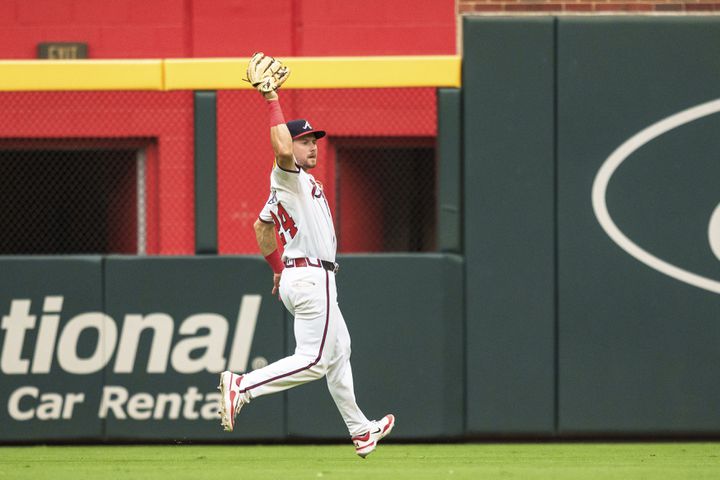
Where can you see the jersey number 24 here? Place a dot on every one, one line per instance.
(285, 224)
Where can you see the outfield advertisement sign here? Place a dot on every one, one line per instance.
(165, 355)
(130, 348)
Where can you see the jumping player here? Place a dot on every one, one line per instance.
(304, 275)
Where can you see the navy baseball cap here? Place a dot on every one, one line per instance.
(301, 127)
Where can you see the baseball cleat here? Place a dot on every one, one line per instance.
(366, 443)
(230, 399)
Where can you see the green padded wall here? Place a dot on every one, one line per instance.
(638, 348)
(213, 291)
(449, 152)
(39, 400)
(509, 241)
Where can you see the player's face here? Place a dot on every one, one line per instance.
(306, 151)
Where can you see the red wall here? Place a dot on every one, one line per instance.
(160, 122)
(195, 28)
(229, 28)
(245, 156)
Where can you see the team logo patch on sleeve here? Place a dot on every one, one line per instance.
(273, 197)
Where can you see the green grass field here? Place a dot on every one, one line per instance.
(586, 461)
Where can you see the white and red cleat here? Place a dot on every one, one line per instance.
(230, 399)
(366, 443)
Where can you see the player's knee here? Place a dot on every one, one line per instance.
(321, 368)
(344, 349)
(317, 371)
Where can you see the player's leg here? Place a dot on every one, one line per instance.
(340, 380)
(365, 434)
(305, 291)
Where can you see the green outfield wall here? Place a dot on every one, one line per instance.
(638, 346)
(129, 348)
(592, 185)
(39, 403)
(576, 291)
(509, 229)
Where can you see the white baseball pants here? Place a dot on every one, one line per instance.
(322, 345)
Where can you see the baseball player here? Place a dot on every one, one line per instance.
(304, 276)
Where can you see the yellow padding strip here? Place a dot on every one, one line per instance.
(320, 72)
(205, 73)
(227, 73)
(81, 75)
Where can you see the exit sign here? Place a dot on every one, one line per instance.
(62, 50)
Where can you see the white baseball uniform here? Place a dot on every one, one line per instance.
(300, 212)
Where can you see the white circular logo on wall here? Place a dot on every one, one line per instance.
(599, 201)
(714, 232)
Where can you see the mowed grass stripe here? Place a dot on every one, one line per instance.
(587, 461)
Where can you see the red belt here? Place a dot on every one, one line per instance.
(312, 262)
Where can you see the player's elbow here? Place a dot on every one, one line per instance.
(263, 231)
(283, 148)
(285, 157)
(260, 226)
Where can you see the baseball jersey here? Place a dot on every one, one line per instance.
(301, 214)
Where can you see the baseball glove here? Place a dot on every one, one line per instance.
(265, 73)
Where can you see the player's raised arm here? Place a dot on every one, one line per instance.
(280, 137)
(267, 75)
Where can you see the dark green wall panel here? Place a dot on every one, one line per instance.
(206, 210)
(76, 285)
(211, 287)
(405, 313)
(638, 348)
(449, 148)
(508, 122)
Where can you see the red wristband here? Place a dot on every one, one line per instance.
(275, 261)
(276, 114)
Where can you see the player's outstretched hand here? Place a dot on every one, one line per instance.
(265, 73)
